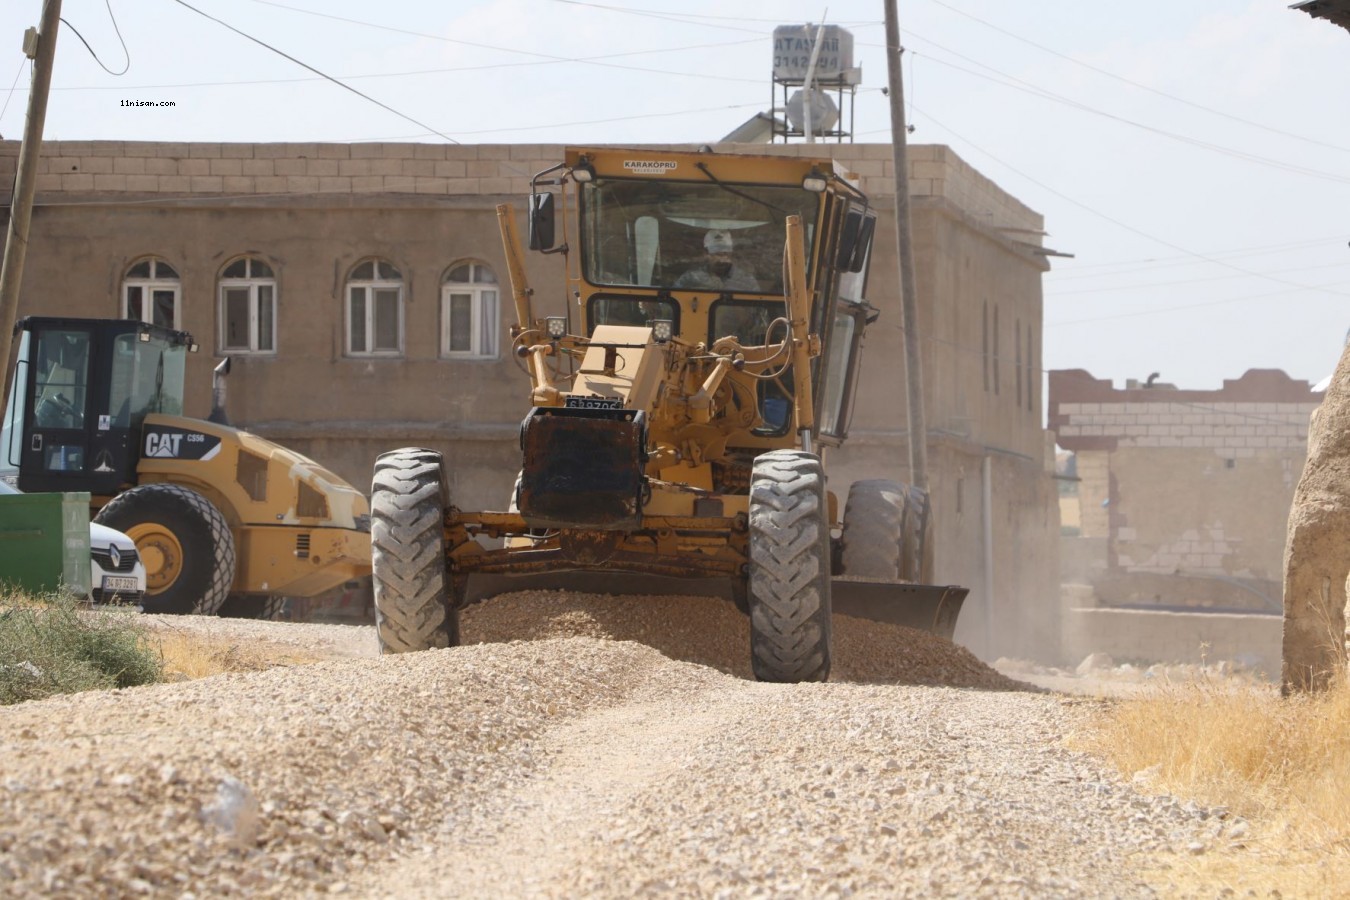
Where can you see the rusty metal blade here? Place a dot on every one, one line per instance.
(483, 586)
(931, 608)
(927, 607)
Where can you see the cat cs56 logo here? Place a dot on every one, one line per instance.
(167, 442)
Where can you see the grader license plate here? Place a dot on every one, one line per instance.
(593, 403)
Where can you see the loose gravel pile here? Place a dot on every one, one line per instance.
(614, 753)
(711, 632)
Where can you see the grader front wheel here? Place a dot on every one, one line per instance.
(789, 586)
(413, 596)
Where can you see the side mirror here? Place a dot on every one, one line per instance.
(541, 221)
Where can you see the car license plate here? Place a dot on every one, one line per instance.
(117, 584)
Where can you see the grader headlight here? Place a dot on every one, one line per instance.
(583, 172)
(662, 330)
(556, 326)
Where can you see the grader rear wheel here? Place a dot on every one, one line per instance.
(413, 591)
(789, 586)
(184, 542)
(885, 534)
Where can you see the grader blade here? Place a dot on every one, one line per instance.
(484, 586)
(926, 607)
(930, 608)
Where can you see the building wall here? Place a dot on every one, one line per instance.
(1195, 485)
(312, 211)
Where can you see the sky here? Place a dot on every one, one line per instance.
(1194, 157)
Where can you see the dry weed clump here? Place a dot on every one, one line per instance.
(187, 656)
(1280, 766)
(52, 644)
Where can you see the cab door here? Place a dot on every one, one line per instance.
(57, 431)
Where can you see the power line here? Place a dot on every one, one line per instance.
(125, 52)
(655, 115)
(316, 71)
(693, 18)
(1015, 83)
(1173, 308)
(594, 61)
(440, 71)
(1130, 228)
(10, 95)
(1142, 87)
(1157, 284)
(1171, 262)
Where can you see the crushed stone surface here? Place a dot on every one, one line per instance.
(577, 745)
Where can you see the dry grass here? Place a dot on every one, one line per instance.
(1283, 765)
(188, 656)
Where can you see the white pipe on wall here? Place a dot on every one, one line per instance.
(987, 514)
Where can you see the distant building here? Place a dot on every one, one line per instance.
(1183, 495)
(360, 291)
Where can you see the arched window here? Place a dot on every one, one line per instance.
(248, 307)
(375, 309)
(151, 292)
(469, 324)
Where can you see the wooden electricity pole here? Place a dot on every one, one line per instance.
(25, 180)
(909, 307)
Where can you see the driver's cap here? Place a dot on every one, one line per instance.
(717, 242)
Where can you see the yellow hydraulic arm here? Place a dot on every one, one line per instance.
(805, 345)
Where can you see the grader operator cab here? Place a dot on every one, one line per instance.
(225, 522)
(682, 400)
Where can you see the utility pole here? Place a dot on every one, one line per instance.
(909, 307)
(25, 180)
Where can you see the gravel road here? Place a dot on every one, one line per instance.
(578, 746)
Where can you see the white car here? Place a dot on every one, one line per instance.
(117, 574)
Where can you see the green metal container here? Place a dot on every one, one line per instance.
(44, 542)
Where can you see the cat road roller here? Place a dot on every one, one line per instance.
(226, 522)
(682, 399)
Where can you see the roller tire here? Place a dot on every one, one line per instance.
(202, 577)
(789, 582)
(413, 592)
(267, 607)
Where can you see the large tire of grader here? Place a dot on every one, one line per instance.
(789, 590)
(408, 500)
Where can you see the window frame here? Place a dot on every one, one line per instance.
(148, 285)
(369, 287)
(476, 289)
(252, 283)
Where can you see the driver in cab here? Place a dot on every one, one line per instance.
(719, 271)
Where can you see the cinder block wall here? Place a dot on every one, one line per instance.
(1186, 482)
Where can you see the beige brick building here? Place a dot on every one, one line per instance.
(333, 276)
(1184, 495)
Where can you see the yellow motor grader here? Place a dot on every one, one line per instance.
(225, 522)
(682, 399)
